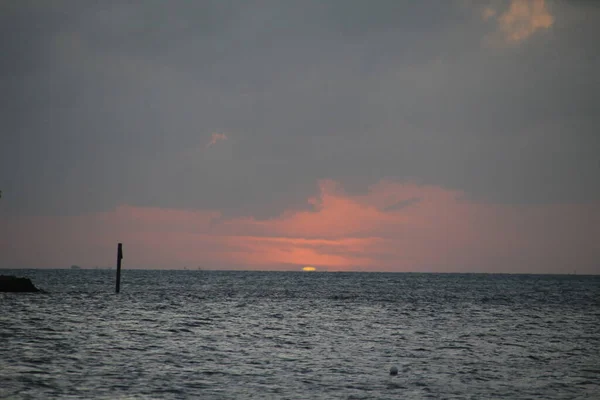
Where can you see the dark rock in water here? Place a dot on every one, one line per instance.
(14, 284)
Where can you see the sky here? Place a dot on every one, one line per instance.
(346, 135)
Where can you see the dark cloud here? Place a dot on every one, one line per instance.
(108, 103)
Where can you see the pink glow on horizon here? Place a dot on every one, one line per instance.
(393, 227)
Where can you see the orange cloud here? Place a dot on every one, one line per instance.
(521, 20)
(215, 137)
(392, 227)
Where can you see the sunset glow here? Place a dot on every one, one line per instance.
(392, 227)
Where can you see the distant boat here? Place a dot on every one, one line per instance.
(75, 267)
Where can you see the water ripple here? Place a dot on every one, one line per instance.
(173, 335)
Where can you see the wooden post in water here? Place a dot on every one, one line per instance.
(119, 258)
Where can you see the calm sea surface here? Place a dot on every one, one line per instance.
(241, 335)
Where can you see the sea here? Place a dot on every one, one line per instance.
(298, 335)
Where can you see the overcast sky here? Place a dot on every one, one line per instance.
(218, 130)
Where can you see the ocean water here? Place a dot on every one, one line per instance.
(262, 335)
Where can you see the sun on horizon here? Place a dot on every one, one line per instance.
(308, 268)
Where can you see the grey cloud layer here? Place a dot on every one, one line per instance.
(107, 103)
